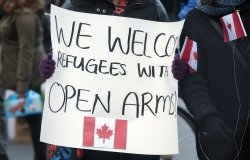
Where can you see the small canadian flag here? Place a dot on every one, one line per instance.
(232, 27)
(105, 133)
(189, 54)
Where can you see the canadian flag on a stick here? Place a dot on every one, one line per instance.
(189, 54)
(232, 27)
(105, 133)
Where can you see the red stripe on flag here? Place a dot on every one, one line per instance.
(120, 134)
(238, 26)
(187, 50)
(88, 131)
(226, 36)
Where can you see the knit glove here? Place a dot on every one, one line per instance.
(47, 67)
(179, 67)
(217, 140)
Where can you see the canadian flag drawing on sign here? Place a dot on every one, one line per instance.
(104, 133)
(232, 27)
(189, 54)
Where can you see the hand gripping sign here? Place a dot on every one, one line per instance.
(112, 89)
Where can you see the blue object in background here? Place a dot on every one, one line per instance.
(186, 8)
(19, 107)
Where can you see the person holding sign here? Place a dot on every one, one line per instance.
(217, 91)
(142, 9)
(21, 51)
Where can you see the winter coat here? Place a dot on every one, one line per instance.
(21, 37)
(221, 86)
(142, 9)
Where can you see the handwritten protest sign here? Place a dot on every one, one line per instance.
(112, 89)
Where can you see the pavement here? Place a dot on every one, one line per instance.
(20, 151)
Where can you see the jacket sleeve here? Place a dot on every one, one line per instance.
(194, 88)
(25, 24)
(162, 14)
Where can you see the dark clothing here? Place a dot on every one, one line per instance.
(21, 37)
(66, 153)
(221, 86)
(34, 122)
(54, 2)
(99, 155)
(142, 9)
(172, 7)
(46, 33)
(3, 134)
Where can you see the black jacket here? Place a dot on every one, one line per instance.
(221, 86)
(142, 9)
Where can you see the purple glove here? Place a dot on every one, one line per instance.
(47, 67)
(179, 67)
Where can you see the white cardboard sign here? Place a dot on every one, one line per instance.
(112, 89)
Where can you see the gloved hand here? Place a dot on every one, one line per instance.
(217, 139)
(179, 67)
(47, 67)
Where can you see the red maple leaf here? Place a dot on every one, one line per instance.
(195, 55)
(229, 25)
(104, 132)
